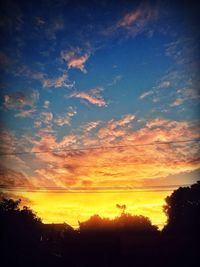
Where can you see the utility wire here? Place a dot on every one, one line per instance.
(93, 189)
(98, 147)
(97, 188)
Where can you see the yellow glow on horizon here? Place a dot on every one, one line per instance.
(71, 207)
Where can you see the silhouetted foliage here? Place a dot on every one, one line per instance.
(9, 205)
(183, 210)
(11, 214)
(19, 230)
(124, 223)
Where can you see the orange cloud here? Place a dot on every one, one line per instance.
(92, 96)
(114, 128)
(124, 121)
(130, 18)
(75, 59)
(116, 154)
(136, 20)
(127, 165)
(91, 125)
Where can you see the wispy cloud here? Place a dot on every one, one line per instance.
(189, 93)
(56, 25)
(115, 128)
(11, 143)
(46, 117)
(115, 80)
(137, 19)
(75, 58)
(177, 102)
(49, 28)
(92, 96)
(145, 94)
(66, 118)
(37, 124)
(185, 94)
(25, 113)
(91, 125)
(26, 71)
(61, 81)
(8, 141)
(40, 21)
(130, 18)
(12, 178)
(163, 84)
(19, 100)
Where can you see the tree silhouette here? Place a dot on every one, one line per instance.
(183, 209)
(9, 205)
(10, 208)
(20, 231)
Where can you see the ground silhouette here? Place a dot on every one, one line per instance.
(127, 240)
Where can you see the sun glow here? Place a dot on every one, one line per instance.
(71, 207)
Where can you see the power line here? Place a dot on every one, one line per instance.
(99, 147)
(158, 188)
(89, 192)
(93, 187)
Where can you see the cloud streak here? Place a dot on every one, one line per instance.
(12, 178)
(92, 96)
(145, 94)
(136, 20)
(25, 113)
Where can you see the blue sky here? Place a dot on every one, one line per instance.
(80, 74)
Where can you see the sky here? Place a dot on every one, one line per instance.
(99, 105)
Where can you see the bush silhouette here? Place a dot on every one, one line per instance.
(124, 223)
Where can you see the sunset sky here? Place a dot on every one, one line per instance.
(97, 100)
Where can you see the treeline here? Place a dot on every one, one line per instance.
(127, 240)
